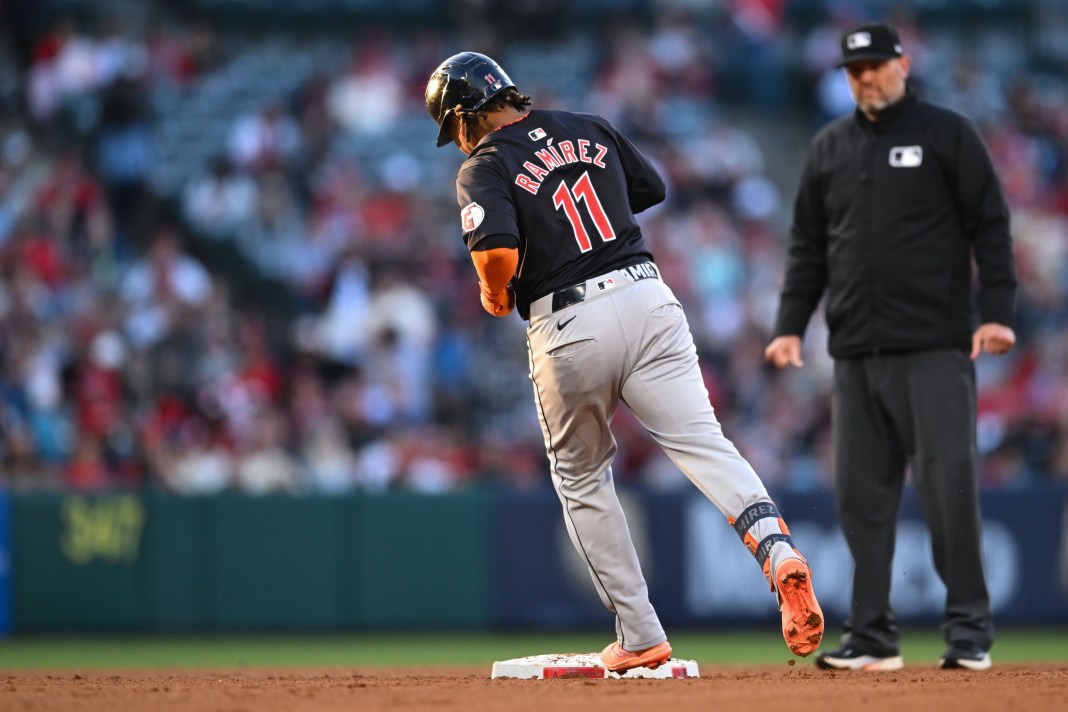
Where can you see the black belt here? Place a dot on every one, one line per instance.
(576, 293)
(568, 295)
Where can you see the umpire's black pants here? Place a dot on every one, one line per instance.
(916, 409)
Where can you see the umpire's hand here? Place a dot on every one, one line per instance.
(784, 351)
(993, 338)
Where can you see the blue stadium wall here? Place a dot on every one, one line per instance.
(156, 562)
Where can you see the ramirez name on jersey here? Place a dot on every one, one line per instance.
(552, 157)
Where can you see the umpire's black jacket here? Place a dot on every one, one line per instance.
(887, 218)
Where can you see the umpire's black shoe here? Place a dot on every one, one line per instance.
(846, 657)
(964, 654)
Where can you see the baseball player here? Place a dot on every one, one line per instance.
(547, 202)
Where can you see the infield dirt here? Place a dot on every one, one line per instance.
(914, 689)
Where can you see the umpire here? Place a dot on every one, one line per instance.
(894, 203)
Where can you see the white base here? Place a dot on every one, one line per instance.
(587, 665)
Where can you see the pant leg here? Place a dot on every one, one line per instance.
(576, 373)
(869, 473)
(665, 390)
(941, 389)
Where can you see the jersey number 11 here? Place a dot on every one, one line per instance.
(568, 200)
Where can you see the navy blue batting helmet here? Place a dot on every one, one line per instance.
(467, 80)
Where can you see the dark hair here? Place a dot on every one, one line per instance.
(509, 96)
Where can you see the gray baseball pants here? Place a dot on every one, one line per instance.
(629, 340)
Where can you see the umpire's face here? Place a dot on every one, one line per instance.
(877, 83)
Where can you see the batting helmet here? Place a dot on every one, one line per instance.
(468, 79)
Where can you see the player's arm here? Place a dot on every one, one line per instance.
(495, 267)
(645, 187)
(490, 231)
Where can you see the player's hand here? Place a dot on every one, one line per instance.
(784, 351)
(995, 339)
(499, 304)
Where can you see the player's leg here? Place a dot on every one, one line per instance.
(666, 392)
(944, 461)
(575, 374)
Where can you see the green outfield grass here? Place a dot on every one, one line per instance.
(382, 649)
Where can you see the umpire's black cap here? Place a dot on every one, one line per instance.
(871, 40)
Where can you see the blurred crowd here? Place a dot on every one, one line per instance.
(130, 357)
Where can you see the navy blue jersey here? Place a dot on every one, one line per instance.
(563, 188)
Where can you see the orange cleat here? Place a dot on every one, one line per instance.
(802, 618)
(616, 659)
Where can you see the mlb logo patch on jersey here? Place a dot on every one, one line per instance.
(906, 156)
(536, 134)
(606, 284)
(471, 216)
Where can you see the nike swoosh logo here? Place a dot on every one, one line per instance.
(561, 325)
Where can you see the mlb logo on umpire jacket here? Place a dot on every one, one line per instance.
(906, 156)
